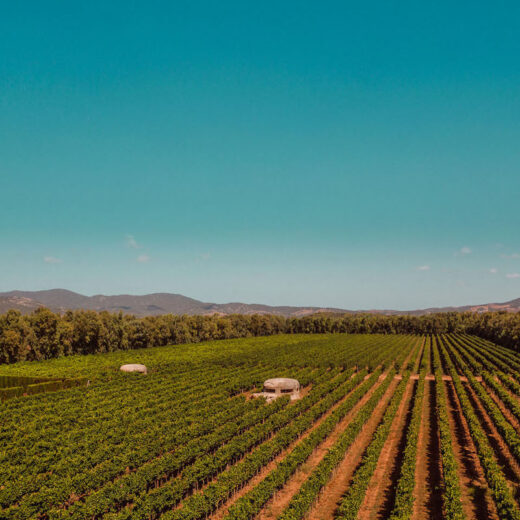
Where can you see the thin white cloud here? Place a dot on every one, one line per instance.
(52, 260)
(464, 251)
(142, 259)
(423, 268)
(132, 242)
(514, 256)
(493, 270)
(513, 275)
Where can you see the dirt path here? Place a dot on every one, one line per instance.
(331, 494)
(508, 390)
(476, 498)
(511, 393)
(223, 510)
(431, 377)
(429, 368)
(380, 494)
(428, 478)
(418, 359)
(505, 458)
(503, 407)
(200, 489)
(280, 501)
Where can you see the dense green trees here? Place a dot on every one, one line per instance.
(44, 334)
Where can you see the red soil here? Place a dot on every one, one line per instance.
(428, 502)
(380, 494)
(345, 470)
(280, 501)
(505, 458)
(223, 510)
(476, 498)
(331, 494)
(503, 408)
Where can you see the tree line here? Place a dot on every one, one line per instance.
(44, 334)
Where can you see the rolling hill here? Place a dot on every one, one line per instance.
(61, 300)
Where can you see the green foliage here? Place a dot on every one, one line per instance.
(451, 496)
(351, 502)
(251, 503)
(12, 391)
(46, 335)
(153, 441)
(17, 386)
(404, 495)
(182, 440)
(502, 495)
(304, 498)
(199, 505)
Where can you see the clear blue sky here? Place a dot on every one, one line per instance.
(351, 154)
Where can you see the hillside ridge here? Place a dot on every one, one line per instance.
(61, 300)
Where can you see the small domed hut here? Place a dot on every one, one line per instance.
(278, 387)
(134, 367)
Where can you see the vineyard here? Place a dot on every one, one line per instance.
(388, 426)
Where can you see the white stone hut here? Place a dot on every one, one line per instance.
(278, 387)
(134, 367)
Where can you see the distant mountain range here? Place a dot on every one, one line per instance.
(61, 300)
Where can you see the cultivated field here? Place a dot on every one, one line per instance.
(389, 426)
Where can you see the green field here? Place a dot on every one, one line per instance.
(187, 442)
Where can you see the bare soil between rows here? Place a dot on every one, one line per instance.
(281, 499)
(223, 510)
(428, 501)
(476, 497)
(331, 494)
(380, 494)
(505, 458)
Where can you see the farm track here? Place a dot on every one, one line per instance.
(503, 408)
(380, 494)
(164, 479)
(281, 500)
(199, 488)
(73, 448)
(428, 475)
(505, 458)
(508, 390)
(132, 492)
(274, 507)
(331, 494)
(222, 511)
(418, 358)
(428, 472)
(256, 465)
(476, 498)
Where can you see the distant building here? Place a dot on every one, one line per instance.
(278, 387)
(134, 368)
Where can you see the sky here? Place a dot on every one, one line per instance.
(349, 154)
